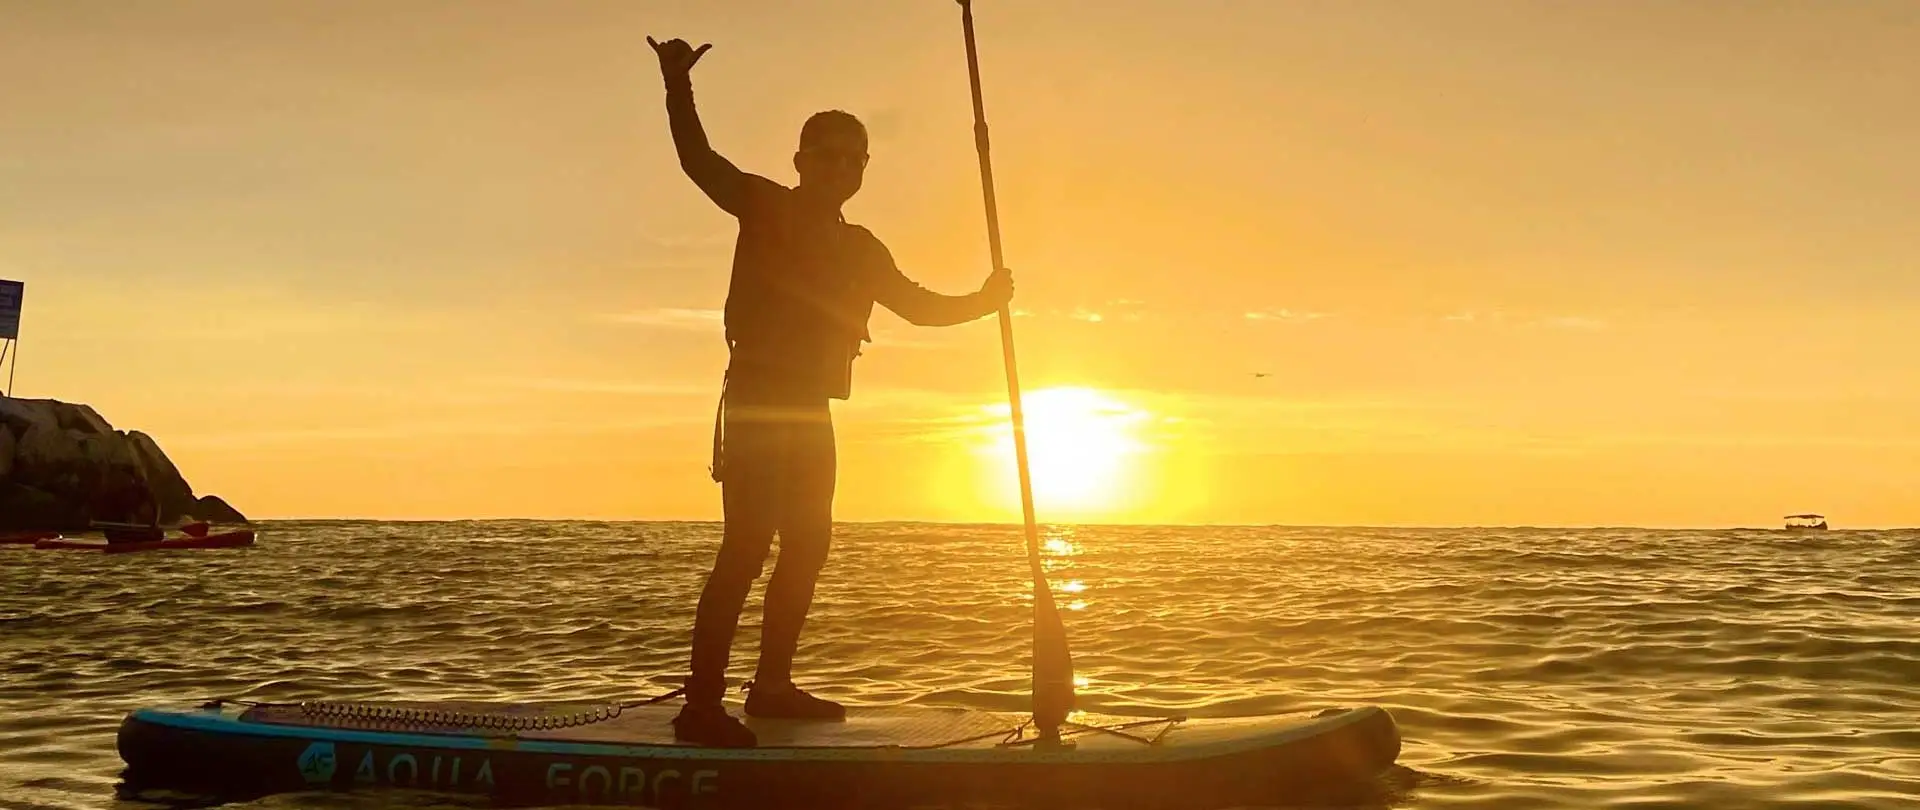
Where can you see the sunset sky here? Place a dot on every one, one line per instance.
(1514, 263)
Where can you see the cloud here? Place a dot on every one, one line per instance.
(700, 320)
(702, 242)
(415, 389)
(622, 387)
(1576, 322)
(1287, 316)
(1123, 309)
(1582, 323)
(396, 433)
(237, 314)
(1118, 309)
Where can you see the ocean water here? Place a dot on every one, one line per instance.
(1526, 668)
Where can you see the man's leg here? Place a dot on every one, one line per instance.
(806, 532)
(750, 501)
(743, 553)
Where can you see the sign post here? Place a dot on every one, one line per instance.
(11, 292)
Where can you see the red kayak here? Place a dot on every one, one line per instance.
(231, 539)
(26, 538)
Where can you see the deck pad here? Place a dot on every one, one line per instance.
(876, 727)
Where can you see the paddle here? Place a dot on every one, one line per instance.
(1052, 661)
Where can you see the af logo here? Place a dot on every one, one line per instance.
(316, 763)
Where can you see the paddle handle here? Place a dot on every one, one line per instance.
(982, 143)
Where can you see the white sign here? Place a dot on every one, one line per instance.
(10, 294)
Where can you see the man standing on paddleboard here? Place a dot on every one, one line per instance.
(804, 283)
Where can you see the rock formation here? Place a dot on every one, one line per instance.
(58, 462)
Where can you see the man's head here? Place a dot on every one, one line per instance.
(832, 158)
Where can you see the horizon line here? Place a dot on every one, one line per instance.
(1099, 524)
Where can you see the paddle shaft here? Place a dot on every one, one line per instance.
(1052, 662)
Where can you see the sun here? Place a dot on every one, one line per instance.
(1081, 447)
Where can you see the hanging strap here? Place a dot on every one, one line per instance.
(717, 466)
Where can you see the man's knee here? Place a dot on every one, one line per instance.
(804, 552)
(743, 554)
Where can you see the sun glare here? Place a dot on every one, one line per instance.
(1081, 444)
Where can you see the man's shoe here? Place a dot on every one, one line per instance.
(786, 701)
(708, 724)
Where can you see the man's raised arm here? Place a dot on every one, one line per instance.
(723, 182)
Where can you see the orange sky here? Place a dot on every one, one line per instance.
(1506, 263)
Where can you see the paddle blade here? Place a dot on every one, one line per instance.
(1053, 696)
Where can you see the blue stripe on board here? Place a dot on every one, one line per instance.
(216, 724)
(212, 723)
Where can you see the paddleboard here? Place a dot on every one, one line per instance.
(593, 753)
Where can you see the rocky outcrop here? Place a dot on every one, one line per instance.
(7, 443)
(63, 466)
(169, 487)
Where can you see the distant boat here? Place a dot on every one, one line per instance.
(1806, 523)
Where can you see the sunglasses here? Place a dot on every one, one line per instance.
(841, 157)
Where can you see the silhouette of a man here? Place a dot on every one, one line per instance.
(804, 283)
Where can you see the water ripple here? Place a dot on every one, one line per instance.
(1527, 668)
